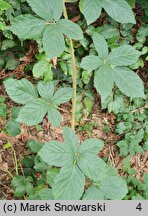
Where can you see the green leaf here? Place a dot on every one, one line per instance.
(27, 26)
(34, 145)
(128, 82)
(42, 8)
(101, 45)
(12, 63)
(7, 44)
(20, 191)
(114, 188)
(69, 184)
(56, 154)
(91, 145)
(124, 148)
(13, 127)
(28, 162)
(3, 110)
(62, 95)
(91, 62)
(33, 113)
(15, 112)
(70, 138)
(40, 166)
(91, 10)
(70, 29)
(40, 68)
(123, 56)
(123, 127)
(4, 5)
(22, 185)
(131, 3)
(21, 91)
(45, 194)
(47, 9)
(93, 193)
(51, 175)
(46, 90)
(103, 81)
(92, 166)
(118, 105)
(53, 41)
(57, 9)
(119, 10)
(54, 116)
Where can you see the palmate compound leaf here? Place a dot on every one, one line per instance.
(114, 188)
(91, 10)
(119, 10)
(47, 9)
(69, 183)
(123, 56)
(77, 162)
(35, 109)
(33, 112)
(52, 33)
(56, 154)
(21, 91)
(28, 26)
(109, 73)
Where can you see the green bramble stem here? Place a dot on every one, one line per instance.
(74, 74)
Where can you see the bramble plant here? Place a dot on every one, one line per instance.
(35, 109)
(78, 162)
(71, 170)
(112, 68)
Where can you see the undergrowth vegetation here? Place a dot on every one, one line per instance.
(84, 58)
